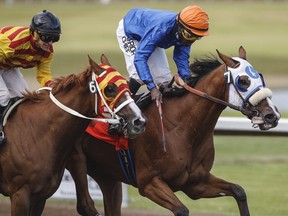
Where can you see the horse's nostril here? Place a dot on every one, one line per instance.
(139, 123)
(270, 118)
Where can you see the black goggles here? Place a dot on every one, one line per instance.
(48, 38)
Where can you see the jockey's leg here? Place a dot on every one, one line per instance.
(12, 85)
(4, 101)
(2, 136)
(3, 110)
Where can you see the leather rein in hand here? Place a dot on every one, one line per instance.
(180, 82)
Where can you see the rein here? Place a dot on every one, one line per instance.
(180, 82)
(75, 113)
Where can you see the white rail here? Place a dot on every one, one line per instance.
(243, 126)
(224, 126)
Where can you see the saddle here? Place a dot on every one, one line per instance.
(171, 90)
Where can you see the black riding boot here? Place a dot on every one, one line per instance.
(134, 86)
(3, 110)
(2, 135)
(142, 100)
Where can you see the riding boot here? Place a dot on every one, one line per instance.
(142, 100)
(3, 110)
(2, 135)
(134, 86)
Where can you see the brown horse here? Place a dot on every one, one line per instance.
(189, 121)
(42, 128)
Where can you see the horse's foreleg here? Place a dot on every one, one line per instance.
(112, 195)
(37, 206)
(159, 192)
(78, 170)
(20, 202)
(214, 187)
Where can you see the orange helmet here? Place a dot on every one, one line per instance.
(194, 19)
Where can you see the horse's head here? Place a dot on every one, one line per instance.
(115, 98)
(247, 90)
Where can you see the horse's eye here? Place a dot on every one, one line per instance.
(243, 82)
(111, 90)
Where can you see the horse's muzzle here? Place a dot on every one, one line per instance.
(136, 128)
(267, 121)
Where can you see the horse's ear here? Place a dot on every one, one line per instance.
(94, 66)
(104, 60)
(242, 53)
(230, 62)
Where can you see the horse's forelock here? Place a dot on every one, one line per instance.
(203, 66)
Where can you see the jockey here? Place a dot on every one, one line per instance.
(26, 47)
(144, 34)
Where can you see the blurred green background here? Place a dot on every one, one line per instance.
(89, 28)
(259, 164)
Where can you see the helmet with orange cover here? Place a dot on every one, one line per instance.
(193, 23)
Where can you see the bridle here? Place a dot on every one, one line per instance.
(95, 89)
(246, 109)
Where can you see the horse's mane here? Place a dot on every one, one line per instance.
(66, 83)
(59, 84)
(205, 65)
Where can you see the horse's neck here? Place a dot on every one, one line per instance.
(202, 110)
(71, 126)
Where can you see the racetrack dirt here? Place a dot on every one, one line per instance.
(70, 210)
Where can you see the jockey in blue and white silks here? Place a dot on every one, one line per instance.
(144, 34)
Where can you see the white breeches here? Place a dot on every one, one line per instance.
(12, 84)
(157, 62)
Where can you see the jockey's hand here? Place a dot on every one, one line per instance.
(49, 83)
(156, 95)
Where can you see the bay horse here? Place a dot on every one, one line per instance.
(42, 130)
(189, 121)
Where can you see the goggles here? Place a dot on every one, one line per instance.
(48, 38)
(188, 35)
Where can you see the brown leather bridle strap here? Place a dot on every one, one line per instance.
(180, 82)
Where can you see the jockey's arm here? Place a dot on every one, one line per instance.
(44, 76)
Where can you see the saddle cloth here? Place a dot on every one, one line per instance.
(99, 130)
